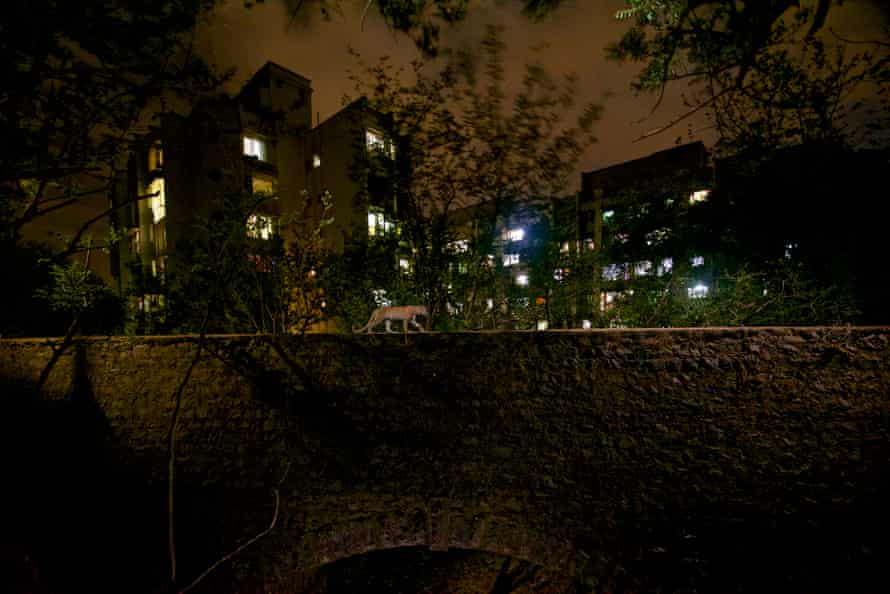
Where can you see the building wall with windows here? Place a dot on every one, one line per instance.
(633, 214)
(518, 252)
(262, 142)
(350, 155)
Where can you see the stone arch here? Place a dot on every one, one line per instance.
(440, 525)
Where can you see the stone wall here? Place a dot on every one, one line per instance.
(596, 453)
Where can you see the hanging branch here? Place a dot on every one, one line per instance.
(242, 547)
(171, 444)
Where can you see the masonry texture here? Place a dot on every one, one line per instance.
(591, 453)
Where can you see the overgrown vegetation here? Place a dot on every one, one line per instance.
(468, 158)
(81, 82)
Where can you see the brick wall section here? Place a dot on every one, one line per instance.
(557, 447)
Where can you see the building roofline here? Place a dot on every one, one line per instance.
(359, 105)
(683, 148)
(269, 66)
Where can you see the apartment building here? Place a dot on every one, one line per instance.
(517, 258)
(633, 214)
(261, 141)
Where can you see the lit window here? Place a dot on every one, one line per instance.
(564, 247)
(260, 226)
(155, 157)
(489, 304)
(657, 236)
(150, 303)
(611, 272)
(608, 215)
(666, 266)
(513, 234)
(160, 237)
(542, 325)
(460, 246)
(585, 324)
(379, 225)
(522, 280)
(699, 291)
(608, 299)
(376, 141)
(511, 259)
(261, 185)
(643, 268)
(699, 196)
(404, 265)
(158, 201)
(697, 261)
(133, 243)
(380, 299)
(589, 245)
(254, 147)
(316, 161)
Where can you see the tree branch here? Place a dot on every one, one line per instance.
(684, 115)
(171, 444)
(239, 549)
(72, 244)
(860, 41)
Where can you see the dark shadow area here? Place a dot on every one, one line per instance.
(798, 541)
(74, 518)
(416, 570)
(363, 436)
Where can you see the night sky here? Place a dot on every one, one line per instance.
(576, 34)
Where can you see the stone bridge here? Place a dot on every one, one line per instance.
(761, 454)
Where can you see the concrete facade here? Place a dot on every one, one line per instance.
(261, 141)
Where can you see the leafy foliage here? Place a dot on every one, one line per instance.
(422, 20)
(467, 157)
(79, 81)
(766, 73)
(78, 294)
(760, 234)
(242, 283)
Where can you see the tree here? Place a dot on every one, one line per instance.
(459, 143)
(80, 80)
(234, 279)
(743, 254)
(765, 72)
(422, 20)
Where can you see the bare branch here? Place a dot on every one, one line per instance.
(72, 244)
(860, 41)
(685, 115)
(171, 444)
(239, 549)
(365, 13)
